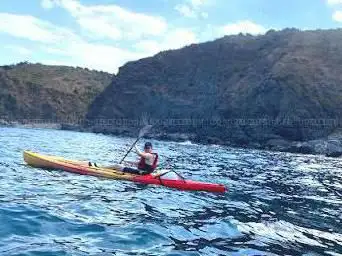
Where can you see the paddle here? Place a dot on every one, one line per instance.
(142, 132)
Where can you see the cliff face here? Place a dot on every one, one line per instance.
(278, 76)
(35, 91)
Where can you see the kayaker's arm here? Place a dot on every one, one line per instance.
(144, 155)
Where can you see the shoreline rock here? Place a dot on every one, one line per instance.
(324, 146)
(329, 147)
(4, 122)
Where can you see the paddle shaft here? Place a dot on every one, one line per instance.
(141, 134)
(130, 149)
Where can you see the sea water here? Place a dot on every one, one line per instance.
(277, 203)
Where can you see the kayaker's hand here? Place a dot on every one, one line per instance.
(137, 150)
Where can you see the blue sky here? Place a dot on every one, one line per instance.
(105, 34)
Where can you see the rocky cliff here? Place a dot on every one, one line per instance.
(51, 93)
(272, 89)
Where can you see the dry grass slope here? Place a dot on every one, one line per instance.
(36, 91)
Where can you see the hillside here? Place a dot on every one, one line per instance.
(285, 77)
(52, 93)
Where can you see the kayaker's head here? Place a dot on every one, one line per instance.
(148, 147)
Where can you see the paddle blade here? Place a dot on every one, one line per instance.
(144, 130)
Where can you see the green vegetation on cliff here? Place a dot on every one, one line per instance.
(57, 93)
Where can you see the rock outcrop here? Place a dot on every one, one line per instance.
(283, 86)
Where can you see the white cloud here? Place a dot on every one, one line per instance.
(334, 2)
(204, 15)
(94, 56)
(245, 27)
(151, 47)
(19, 49)
(114, 22)
(175, 39)
(337, 16)
(191, 9)
(56, 44)
(179, 38)
(186, 10)
(29, 27)
(100, 28)
(63, 42)
(99, 56)
(197, 3)
(48, 4)
(55, 51)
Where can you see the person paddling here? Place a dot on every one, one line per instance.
(147, 164)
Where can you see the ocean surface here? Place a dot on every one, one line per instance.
(277, 203)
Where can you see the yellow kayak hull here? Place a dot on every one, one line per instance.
(53, 162)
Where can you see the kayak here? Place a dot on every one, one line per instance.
(165, 178)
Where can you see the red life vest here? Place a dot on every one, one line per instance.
(143, 166)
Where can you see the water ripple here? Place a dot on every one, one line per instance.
(277, 204)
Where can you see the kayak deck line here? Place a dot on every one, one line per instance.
(81, 167)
